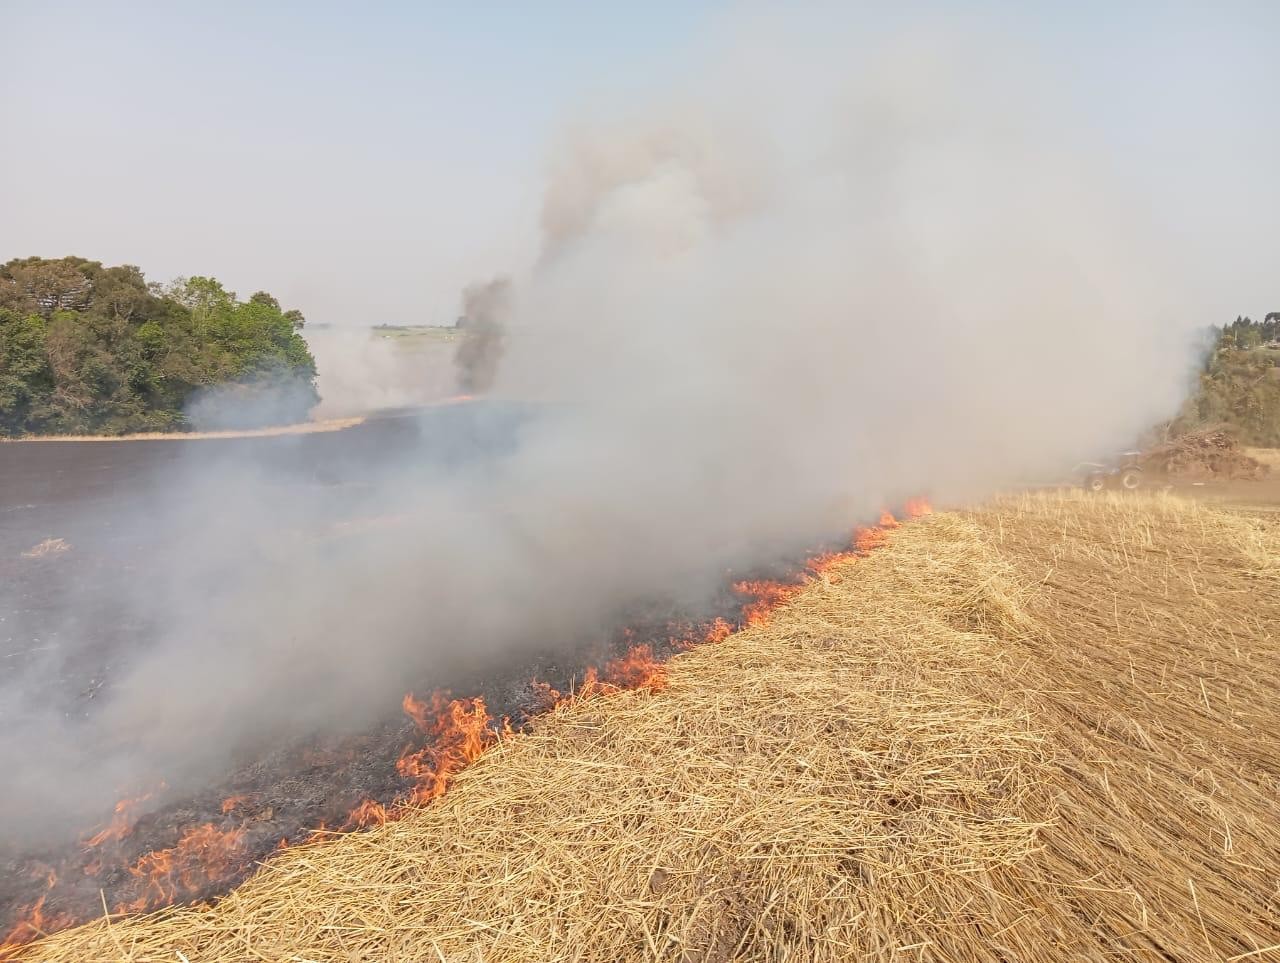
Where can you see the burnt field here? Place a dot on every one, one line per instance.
(84, 524)
(1042, 729)
(76, 525)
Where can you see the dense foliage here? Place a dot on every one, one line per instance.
(92, 349)
(1240, 383)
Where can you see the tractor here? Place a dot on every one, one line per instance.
(1123, 472)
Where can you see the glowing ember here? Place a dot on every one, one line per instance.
(545, 696)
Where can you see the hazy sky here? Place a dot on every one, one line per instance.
(366, 161)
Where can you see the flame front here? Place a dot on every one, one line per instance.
(35, 921)
(459, 730)
(121, 820)
(766, 596)
(204, 854)
(368, 813)
(455, 732)
(918, 507)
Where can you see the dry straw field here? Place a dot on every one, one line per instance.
(1048, 729)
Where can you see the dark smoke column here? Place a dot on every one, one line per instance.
(484, 312)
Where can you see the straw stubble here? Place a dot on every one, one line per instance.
(1043, 730)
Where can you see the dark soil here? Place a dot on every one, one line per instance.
(285, 792)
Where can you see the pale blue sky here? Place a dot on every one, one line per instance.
(364, 161)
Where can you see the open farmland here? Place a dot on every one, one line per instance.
(91, 529)
(1041, 730)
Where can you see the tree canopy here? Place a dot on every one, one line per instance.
(1240, 382)
(92, 349)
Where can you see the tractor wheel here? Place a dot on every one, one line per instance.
(1131, 479)
(1095, 482)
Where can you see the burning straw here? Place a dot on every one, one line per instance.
(1046, 730)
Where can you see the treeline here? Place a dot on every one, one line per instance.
(1240, 383)
(97, 350)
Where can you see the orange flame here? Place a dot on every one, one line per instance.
(767, 597)
(419, 711)
(204, 855)
(918, 507)
(120, 825)
(717, 631)
(867, 540)
(545, 696)
(35, 921)
(638, 669)
(458, 732)
(368, 813)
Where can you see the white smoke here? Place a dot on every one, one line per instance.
(758, 317)
(359, 370)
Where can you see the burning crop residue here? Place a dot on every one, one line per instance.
(457, 731)
(36, 920)
(122, 820)
(204, 856)
(233, 833)
(768, 596)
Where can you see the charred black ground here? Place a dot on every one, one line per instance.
(282, 793)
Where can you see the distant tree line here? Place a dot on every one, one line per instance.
(1239, 384)
(97, 350)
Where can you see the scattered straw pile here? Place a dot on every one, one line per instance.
(1204, 454)
(1043, 731)
(50, 546)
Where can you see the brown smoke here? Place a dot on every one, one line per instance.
(485, 308)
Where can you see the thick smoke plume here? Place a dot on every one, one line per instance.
(485, 308)
(756, 318)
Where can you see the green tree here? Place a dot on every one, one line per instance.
(1239, 384)
(85, 348)
(26, 380)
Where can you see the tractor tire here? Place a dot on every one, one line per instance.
(1131, 479)
(1095, 482)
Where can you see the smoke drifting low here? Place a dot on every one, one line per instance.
(357, 373)
(750, 324)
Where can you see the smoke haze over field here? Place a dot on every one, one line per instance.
(799, 288)
(358, 373)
